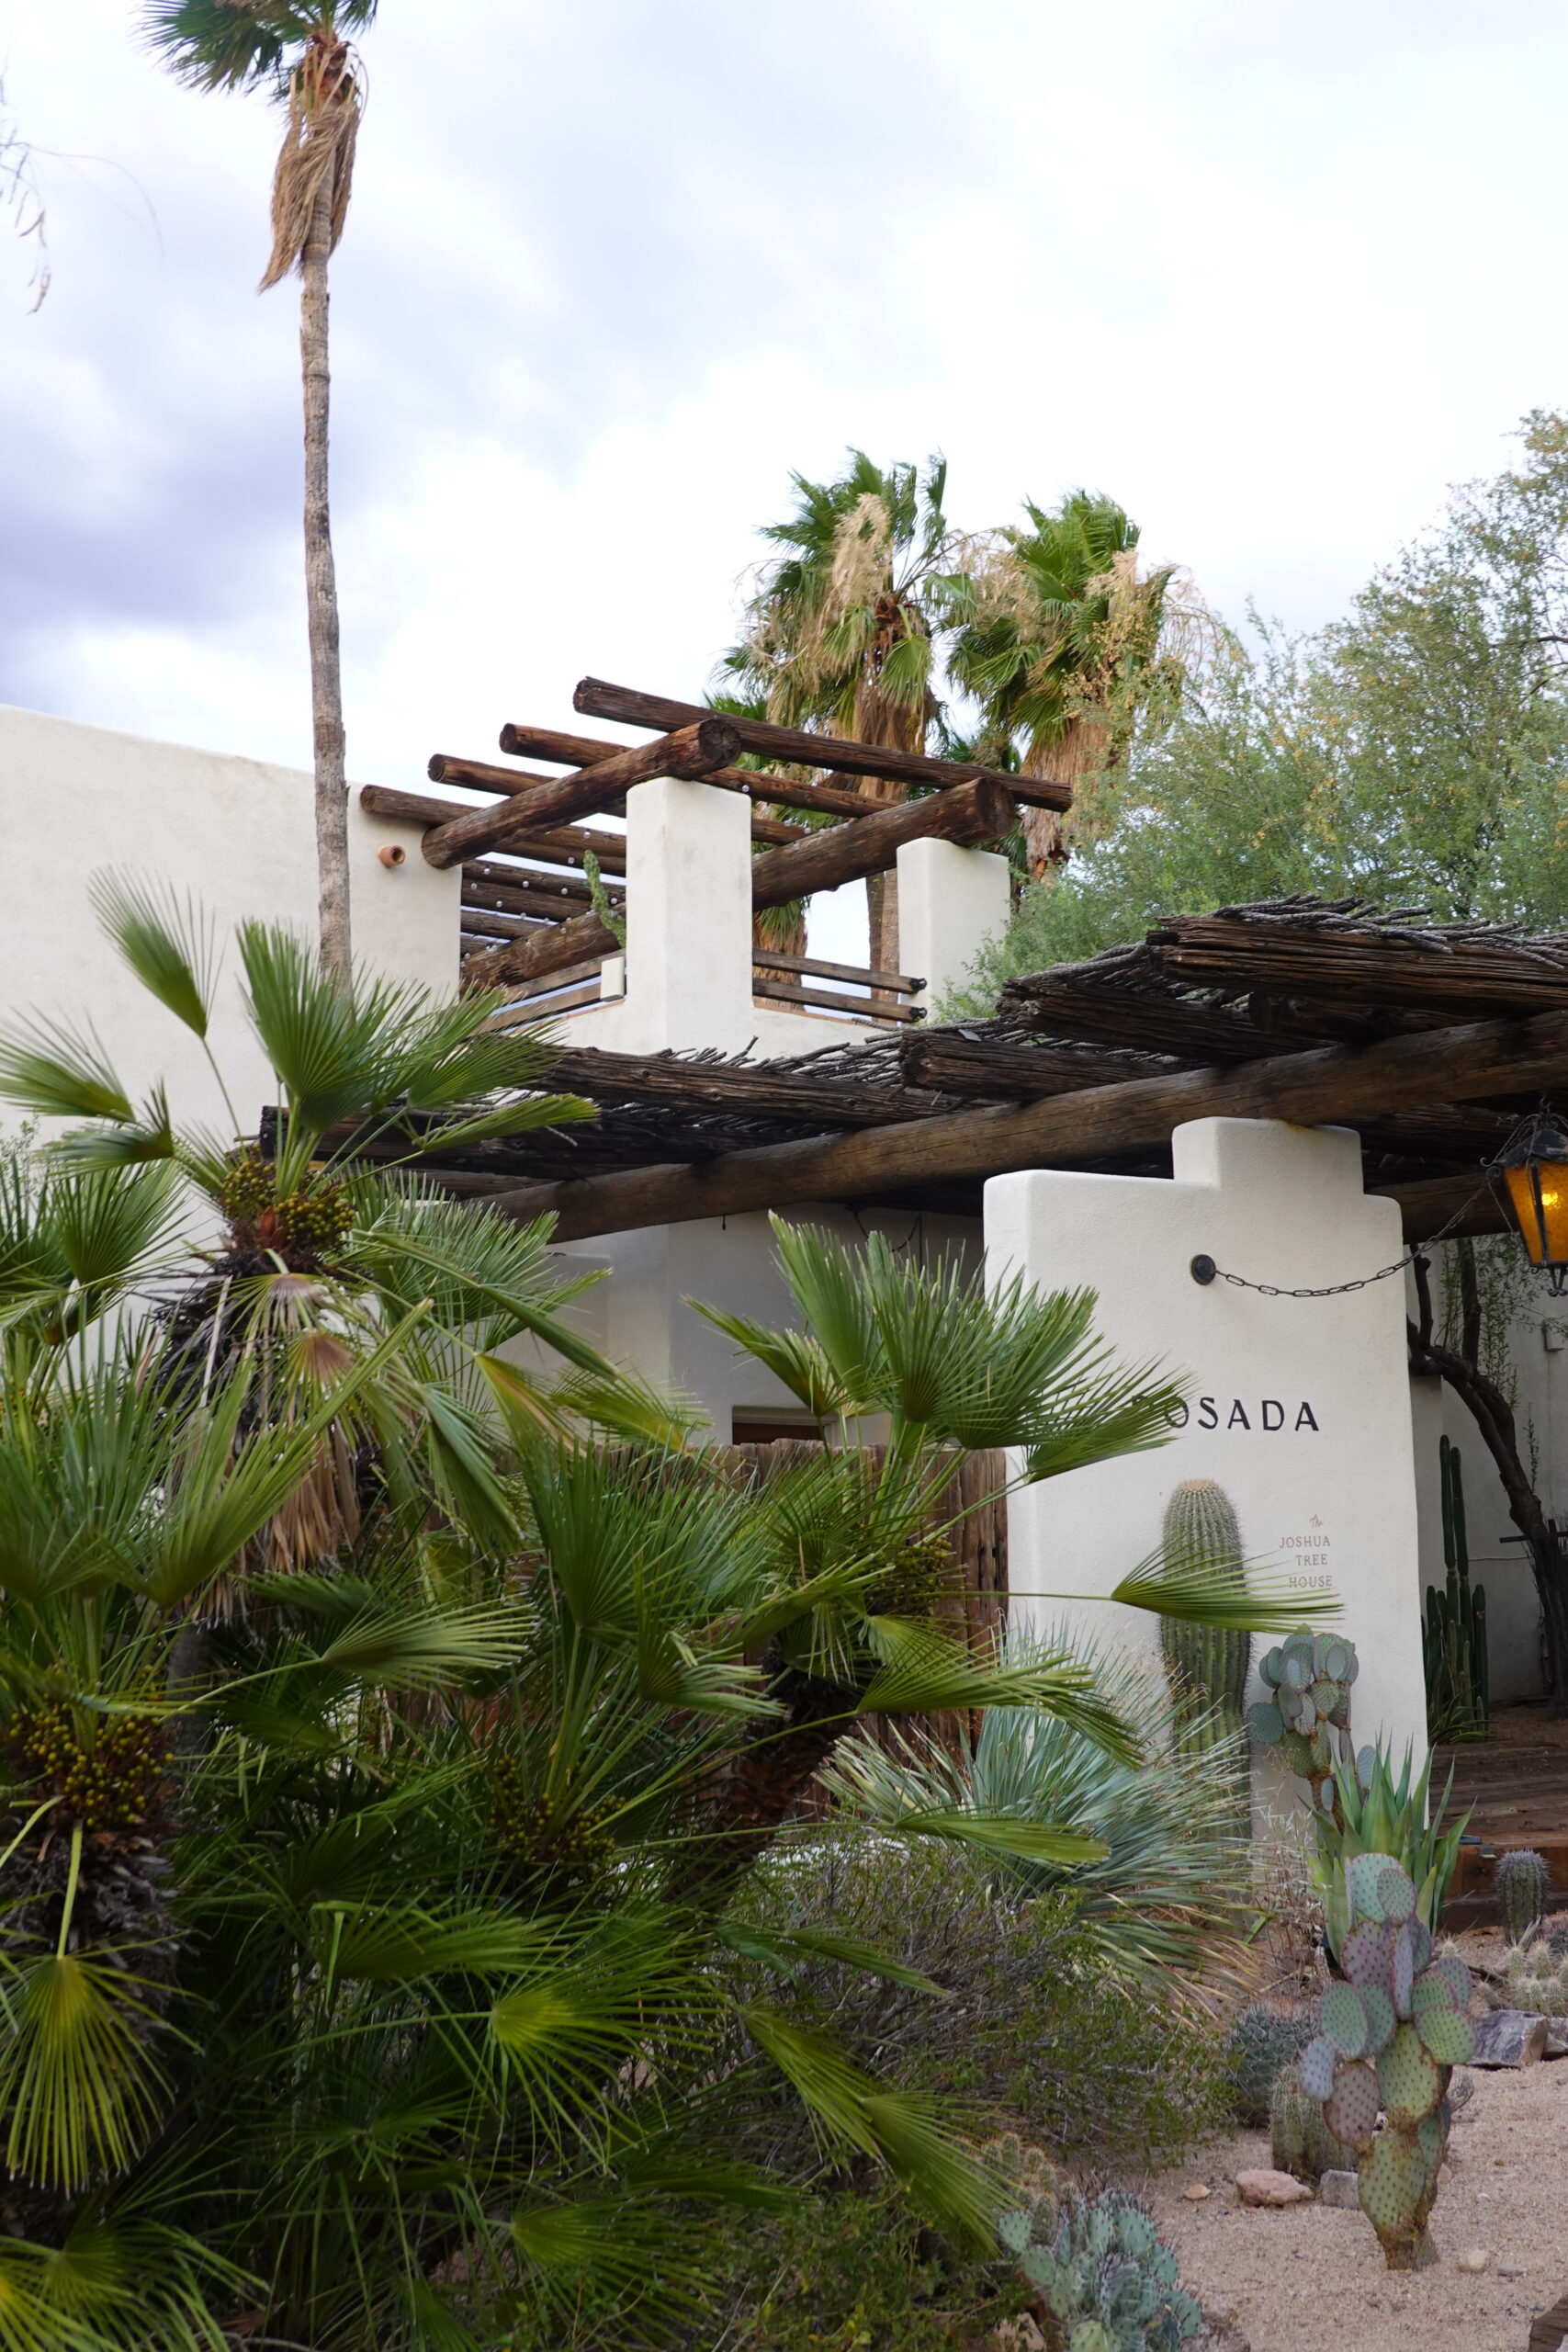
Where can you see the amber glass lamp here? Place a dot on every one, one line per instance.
(1532, 1173)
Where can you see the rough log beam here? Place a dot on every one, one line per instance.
(587, 751)
(610, 849)
(597, 699)
(687, 751)
(1330, 1084)
(568, 846)
(1460, 977)
(754, 1091)
(1451, 1205)
(970, 813)
(975, 1066)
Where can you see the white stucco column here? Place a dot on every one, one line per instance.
(688, 916)
(951, 901)
(1300, 1407)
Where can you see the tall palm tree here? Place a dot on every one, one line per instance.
(1060, 636)
(839, 631)
(300, 52)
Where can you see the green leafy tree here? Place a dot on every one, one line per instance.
(1415, 753)
(301, 53)
(839, 631)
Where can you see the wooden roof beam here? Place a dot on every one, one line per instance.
(596, 698)
(692, 750)
(1317, 1088)
(969, 814)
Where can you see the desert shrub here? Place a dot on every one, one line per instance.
(1030, 2022)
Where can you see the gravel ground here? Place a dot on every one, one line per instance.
(1296, 2280)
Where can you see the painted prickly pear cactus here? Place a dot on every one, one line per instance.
(1523, 1884)
(1390, 2037)
(1208, 1663)
(1307, 1713)
(1108, 2279)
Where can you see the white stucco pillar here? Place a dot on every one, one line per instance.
(689, 916)
(1300, 1407)
(951, 901)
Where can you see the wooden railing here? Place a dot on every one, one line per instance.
(879, 992)
(564, 992)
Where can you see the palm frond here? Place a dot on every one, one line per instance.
(167, 941)
(77, 2079)
(1264, 1604)
(61, 1073)
(854, 2110)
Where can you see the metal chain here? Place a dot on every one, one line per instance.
(1211, 1273)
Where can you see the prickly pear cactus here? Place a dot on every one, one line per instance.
(1523, 1881)
(1389, 2038)
(1106, 2277)
(1299, 2140)
(1537, 1978)
(1033, 2185)
(1307, 1713)
(1262, 2042)
(1208, 1665)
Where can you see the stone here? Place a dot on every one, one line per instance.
(1556, 2038)
(1340, 2190)
(1549, 2328)
(1510, 2270)
(1263, 2187)
(1195, 2192)
(1474, 2257)
(1509, 2037)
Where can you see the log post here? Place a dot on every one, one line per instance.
(692, 750)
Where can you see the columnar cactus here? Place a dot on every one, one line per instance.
(1522, 1880)
(1107, 2278)
(1308, 1714)
(1391, 2036)
(1453, 1633)
(1208, 1663)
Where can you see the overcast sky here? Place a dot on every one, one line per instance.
(1271, 272)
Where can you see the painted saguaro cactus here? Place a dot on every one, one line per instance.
(1209, 1663)
(1391, 2037)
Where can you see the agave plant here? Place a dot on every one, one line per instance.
(1165, 1884)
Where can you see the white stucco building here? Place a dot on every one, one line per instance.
(1303, 1410)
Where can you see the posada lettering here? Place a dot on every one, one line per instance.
(1267, 1413)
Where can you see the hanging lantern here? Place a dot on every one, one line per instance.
(1532, 1175)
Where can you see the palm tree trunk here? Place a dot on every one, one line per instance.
(321, 603)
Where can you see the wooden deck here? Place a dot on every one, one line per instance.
(1515, 1786)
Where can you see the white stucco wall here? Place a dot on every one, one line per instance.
(1300, 1407)
(640, 1316)
(238, 834)
(951, 901)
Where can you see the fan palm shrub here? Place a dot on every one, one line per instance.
(377, 1969)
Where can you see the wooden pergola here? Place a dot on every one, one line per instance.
(1428, 1039)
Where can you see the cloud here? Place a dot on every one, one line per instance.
(1271, 274)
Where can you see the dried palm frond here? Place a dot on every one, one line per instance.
(326, 99)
